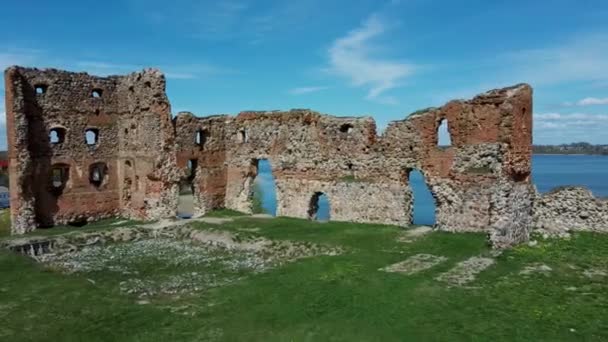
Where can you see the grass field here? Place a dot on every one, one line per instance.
(178, 291)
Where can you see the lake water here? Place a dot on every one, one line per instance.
(548, 172)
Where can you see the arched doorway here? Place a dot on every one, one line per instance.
(423, 203)
(263, 188)
(319, 207)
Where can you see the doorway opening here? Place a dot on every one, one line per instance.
(185, 202)
(263, 188)
(423, 203)
(319, 207)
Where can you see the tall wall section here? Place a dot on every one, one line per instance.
(59, 177)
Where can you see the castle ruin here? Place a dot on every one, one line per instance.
(82, 148)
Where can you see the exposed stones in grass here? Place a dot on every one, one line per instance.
(415, 264)
(538, 268)
(410, 235)
(465, 271)
(595, 273)
(179, 261)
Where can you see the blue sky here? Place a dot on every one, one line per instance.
(368, 57)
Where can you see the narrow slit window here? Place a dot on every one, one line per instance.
(243, 135)
(201, 137)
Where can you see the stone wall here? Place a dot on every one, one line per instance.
(480, 183)
(570, 209)
(57, 177)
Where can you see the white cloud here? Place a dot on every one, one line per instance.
(350, 57)
(571, 117)
(560, 128)
(591, 101)
(306, 90)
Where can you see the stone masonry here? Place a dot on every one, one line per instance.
(140, 155)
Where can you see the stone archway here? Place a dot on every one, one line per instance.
(319, 207)
(423, 205)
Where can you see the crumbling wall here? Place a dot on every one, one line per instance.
(311, 153)
(488, 161)
(480, 183)
(58, 177)
(570, 208)
(202, 142)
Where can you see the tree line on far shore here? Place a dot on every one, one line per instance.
(573, 148)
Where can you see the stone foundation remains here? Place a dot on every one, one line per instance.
(83, 148)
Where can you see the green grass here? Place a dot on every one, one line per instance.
(104, 224)
(327, 298)
(5, 222)
(225, 213)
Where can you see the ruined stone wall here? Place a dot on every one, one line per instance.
(202, 142)
(57, 177)
(312, 153)
(480, 182)
(570, 209)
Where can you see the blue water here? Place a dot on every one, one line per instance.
(548, 172)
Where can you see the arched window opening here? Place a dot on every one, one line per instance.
(91, 136)
(319, 207)
(57, 135)
(422, 203)
(444, 139)
(201, 137)
(96, 93)
(98, 174)
(243, 135)
(60, 174)
(40, 89)
(346, 128)
(263, 188)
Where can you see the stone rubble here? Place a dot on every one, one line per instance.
(415, 264)
(465, 271)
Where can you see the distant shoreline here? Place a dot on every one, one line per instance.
(570, 154)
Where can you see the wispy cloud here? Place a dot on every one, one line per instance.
(554, 127)
(592, 101)
(351, 57)
(249, 21)
(572, 120)
(306, 90)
